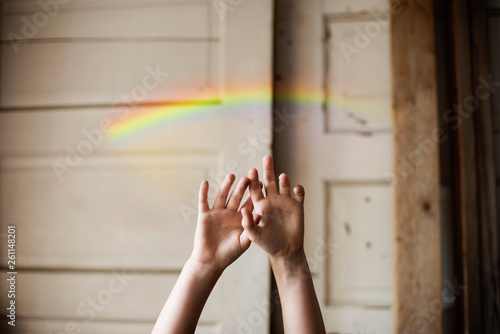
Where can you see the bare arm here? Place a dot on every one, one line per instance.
(278, 227)
(301, 311)
(219, 241)
(186, 301)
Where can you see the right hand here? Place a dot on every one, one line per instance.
(278, 223)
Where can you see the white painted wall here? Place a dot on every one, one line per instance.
(128, 204)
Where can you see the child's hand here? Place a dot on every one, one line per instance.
(219, 238)
(278, 223)
(278, 228)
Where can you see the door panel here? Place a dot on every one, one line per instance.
(98, 183)
(357, 91)
(160, 20)
(342, 155)
(52, 74)
(358, 219)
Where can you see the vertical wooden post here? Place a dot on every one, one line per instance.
(476, 201)
(490, 280)
(417, 235)
(465, 171)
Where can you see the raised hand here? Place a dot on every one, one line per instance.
(278, 228)
(220, 238)
(223, 234)
(278, 223)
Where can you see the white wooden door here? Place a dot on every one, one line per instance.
(339, 148)
(112, 113)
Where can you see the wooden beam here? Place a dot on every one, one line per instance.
(417, 215)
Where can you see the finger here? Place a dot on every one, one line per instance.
(299, 194)
(269, 177)
(253, 174)
(203, 197)
(285, 188)
(251, 229)
(245, 241)
(255, 190)
(248, 204)
(221, 197)
(235, 198)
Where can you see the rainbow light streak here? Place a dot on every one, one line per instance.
(166, 114)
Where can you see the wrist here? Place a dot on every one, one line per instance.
(290, 266)
(202, 270)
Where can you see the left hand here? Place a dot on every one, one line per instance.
(219, 238)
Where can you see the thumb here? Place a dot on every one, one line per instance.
(245, 241)
(248, 224)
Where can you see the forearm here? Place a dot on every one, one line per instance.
(186, 301)
(301, 310)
